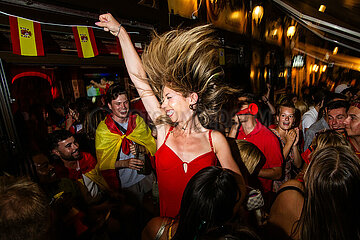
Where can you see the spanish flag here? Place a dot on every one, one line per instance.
(109, 139)
(26, 37)
(85, 42)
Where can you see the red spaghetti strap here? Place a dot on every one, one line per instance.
(167, 135)
(210, 140)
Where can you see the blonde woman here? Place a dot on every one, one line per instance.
(180, 68)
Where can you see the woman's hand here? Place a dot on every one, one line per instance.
(290, 136)
(109, 23)
(297, 131)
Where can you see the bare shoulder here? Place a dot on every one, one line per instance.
(219, 141)
(218, 136)
(152, 227)
(162, 130)
(290, 195)
(293, 183)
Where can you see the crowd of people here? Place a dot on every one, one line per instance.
(280, 167)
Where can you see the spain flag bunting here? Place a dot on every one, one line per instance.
(26, 37)
(85, 42)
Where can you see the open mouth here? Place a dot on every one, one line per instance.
(170, 113)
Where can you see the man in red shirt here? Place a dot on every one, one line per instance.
(76, 165)
(253, 131)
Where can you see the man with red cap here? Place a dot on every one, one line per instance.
(253, 131)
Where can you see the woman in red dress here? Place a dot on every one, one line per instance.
(182, 69)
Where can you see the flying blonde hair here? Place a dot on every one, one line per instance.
(187, 61)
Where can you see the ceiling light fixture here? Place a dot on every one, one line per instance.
(257, 14)
(322, 8)
(290, 32)
(335, 50)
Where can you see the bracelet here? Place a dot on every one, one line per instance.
(118, 30)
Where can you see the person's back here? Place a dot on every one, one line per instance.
(286, 209)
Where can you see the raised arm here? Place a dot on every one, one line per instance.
(133, 65)
(98, 85)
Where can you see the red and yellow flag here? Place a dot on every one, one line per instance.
(85, 42)
(26, 37)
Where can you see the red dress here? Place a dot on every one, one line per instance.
(172, 178)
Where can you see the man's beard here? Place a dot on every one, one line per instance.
(71, 157)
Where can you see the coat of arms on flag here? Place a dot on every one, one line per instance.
(26, 37)
(85, 42)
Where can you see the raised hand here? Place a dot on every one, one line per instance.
(297, 131)
(290, 136)
(109, 23)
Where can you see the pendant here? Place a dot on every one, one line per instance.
(185, 166)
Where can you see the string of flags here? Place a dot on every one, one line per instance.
(26, 38)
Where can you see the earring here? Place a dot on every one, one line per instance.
(192, 106)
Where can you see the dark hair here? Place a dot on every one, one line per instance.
(264, 114)
(56, 137)
(352, 90)
(318, 96)
(338, 104)
(208, 201)
(92, 120)
(24, 210)
(250, 97)
(331, 206)
(114, 91)
(331, 96)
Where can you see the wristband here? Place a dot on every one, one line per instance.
(119, 30)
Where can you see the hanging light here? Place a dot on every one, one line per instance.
(335, 50)
(274, 32)
(315, 68)
(290, 31)
(257, 14)
(324, 68)
(252, 74)
(322, 8)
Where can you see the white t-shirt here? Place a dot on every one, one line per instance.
(309, 118)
